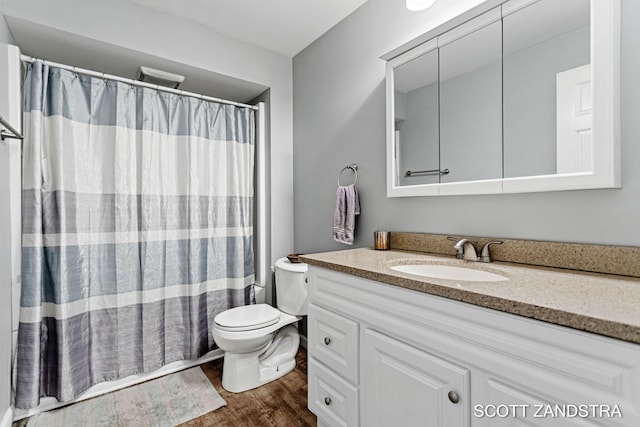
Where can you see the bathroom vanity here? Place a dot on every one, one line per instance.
(390, 348)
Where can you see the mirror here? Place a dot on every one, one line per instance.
(504, 99)
(547, 89)
(471, 106)
(416, 120)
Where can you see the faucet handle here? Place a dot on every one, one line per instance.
(485, 254)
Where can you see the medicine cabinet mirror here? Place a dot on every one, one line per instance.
(512, 96)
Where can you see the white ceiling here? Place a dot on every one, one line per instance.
(282, 26)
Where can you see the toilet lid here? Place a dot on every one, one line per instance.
(247, 317)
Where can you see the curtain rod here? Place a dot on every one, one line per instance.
(29, 59)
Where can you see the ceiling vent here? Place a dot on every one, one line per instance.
(159, 77)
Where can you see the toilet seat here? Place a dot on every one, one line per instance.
(247, 318)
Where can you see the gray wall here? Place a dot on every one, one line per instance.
(5, 35)
(339, 118)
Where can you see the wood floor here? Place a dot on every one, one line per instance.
(282, 402)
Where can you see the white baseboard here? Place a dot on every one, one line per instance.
(7, 418)
(48, 403)
(303, 341)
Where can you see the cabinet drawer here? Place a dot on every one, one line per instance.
(331, 398)
(333, 340)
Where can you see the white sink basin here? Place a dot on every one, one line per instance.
(449, 272)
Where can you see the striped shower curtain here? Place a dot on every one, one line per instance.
(137, 229)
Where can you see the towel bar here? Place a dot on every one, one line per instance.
(354, 168)
(13, 133)
(429, 172)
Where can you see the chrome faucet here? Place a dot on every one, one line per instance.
(466, 249)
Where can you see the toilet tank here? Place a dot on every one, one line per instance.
(292, 290)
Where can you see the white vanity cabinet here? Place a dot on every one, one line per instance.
(382, 355)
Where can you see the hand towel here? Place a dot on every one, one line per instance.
(344, 217)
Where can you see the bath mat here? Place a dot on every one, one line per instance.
(166, 401)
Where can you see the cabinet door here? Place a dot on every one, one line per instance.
(404, 386)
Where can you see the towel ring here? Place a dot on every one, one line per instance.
(354, 168)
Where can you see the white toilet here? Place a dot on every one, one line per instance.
(259, 341)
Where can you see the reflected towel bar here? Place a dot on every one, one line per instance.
(428, 172)
(14, 133)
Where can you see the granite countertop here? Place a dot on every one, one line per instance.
(600, 303)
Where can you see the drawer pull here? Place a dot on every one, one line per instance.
(453, 397)
(327, 340)
(327, 401)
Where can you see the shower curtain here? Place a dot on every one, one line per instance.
(137, 229)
